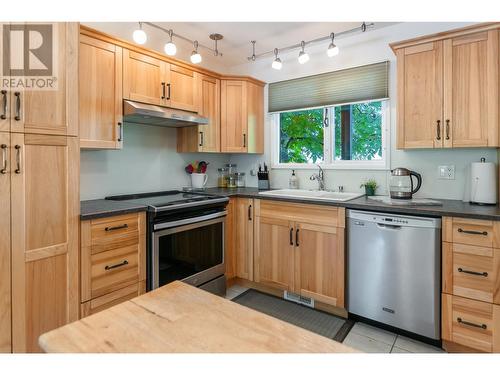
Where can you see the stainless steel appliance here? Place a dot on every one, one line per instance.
(185, 238)
(149, 114)
(394, 268)
(401, 183)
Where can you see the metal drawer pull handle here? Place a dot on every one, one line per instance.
(120, 136)
(4, 114)
(107, 229)
(244, 140)
(18, 106)
(250, 213)
(464, 322)
(18, 159)
(291, 236)
(163, 90)
(438, 135)
(168, 92)
(201, 139)
(297, 237)
(124, 263)
(472, 232)
(4, 161)
(447, 129)
(485, 274)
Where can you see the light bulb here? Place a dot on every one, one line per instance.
(303, 57)
(170, 48)
(277, 64)
(140, 36)
(195, 57)
(332, 50)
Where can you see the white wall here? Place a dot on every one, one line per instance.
(147, 162)
(359, 50)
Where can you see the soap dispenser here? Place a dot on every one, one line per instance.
(293, 183)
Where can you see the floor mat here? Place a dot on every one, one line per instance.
(316, 321)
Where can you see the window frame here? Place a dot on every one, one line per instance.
(329, 134)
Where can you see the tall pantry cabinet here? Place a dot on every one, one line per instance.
(39, 202)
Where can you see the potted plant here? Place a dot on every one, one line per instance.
(370, 187)
(198, 171)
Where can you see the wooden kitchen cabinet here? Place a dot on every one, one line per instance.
(229, 241)
(100, 94)
(5, 252)
(448, 89)
(113, 261)
(244, 237)
(300, 248)
(203, 138)
(52, 111)
(242, 116)
(150, 80)
(44, 235)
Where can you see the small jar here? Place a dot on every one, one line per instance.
(239, 179)
(231, 168)
(231, 181)
(222, 177)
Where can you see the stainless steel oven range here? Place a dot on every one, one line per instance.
(185, 238)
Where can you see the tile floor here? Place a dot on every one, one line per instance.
(367, 338)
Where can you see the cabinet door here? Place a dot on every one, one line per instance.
(471, 90)
(51, 111)
(255, 119)
(244, 219)
(229, 240)
(181, 89)
(274, 261)
(144, 78)
(45, 194)
(203, 138)
(319, 263)
(234, 116)
(420, 96)
(100, 94)
(5, 301)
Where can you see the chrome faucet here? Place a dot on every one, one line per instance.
(320, 177)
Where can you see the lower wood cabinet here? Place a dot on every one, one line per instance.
(300, 248)
(113, 261)
(229, 244)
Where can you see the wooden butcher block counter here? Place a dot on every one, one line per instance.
(181, 318)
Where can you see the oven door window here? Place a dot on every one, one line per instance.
(186, 252)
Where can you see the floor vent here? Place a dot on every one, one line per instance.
(298, 299)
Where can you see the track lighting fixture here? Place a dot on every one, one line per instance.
(170, 47)
(277, 61)
(139, 35)
(332, 50)
(195, 56)
(303, 56)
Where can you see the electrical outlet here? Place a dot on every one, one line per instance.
(446, 172)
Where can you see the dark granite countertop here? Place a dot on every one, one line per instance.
(96, 208)
(101, 208)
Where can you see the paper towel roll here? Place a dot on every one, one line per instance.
(483, 183)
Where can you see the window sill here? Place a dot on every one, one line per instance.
(340, 166)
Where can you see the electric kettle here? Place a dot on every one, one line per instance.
(401, 183)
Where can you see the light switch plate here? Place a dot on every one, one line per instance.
(446, 172)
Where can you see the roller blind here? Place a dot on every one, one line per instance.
(362, 83)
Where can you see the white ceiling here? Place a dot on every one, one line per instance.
(235, 46)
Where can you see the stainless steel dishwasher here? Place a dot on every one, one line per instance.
(394, 267)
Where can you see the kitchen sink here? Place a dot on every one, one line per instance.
(312, 195)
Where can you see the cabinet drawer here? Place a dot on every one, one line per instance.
(111, 299)
(113, 269)
(471, 323)
(473, 232)
(475, 272)
(111, 233)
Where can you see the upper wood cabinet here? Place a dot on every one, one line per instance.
(44, 173)
(150, 80)
(51, 110)
(300, 248)
(448, 89)
(242, 116)
(5, 252)
(100, 94)
(203, 138)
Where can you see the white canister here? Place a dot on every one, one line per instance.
(483, 182)
(198, 180)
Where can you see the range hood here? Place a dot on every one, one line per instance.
(148, 114)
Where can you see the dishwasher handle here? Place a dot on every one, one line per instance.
(389, 226)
